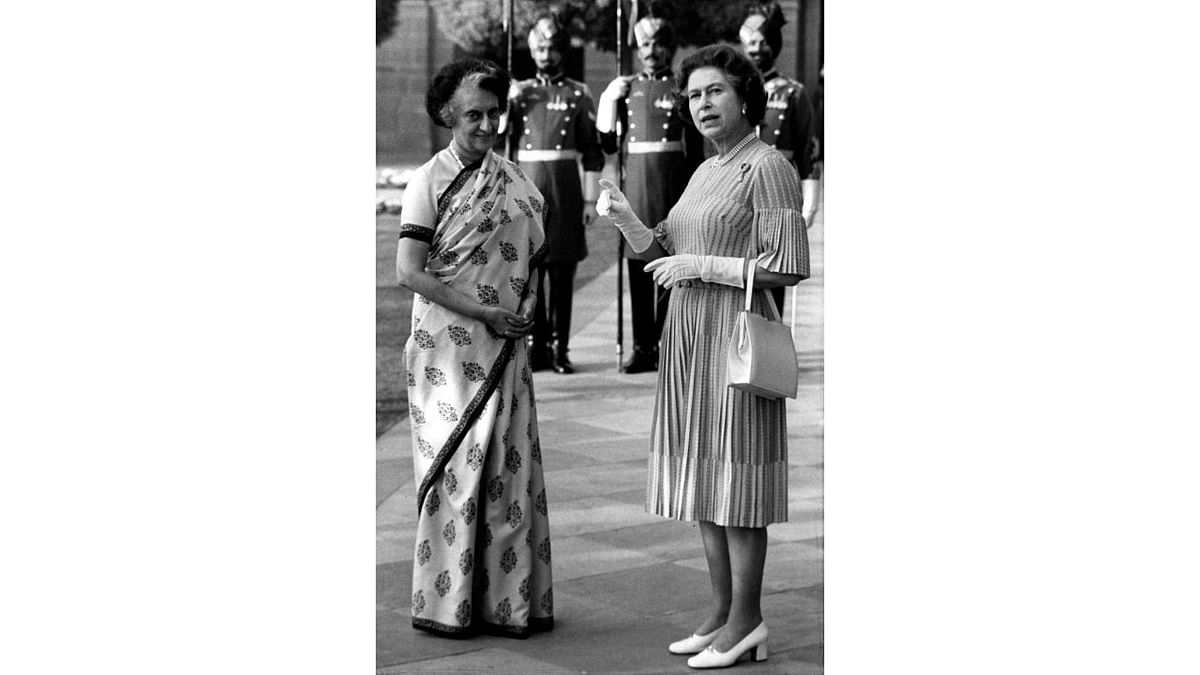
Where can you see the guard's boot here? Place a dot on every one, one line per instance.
(539, 356)
(641, 361)
(562, 364)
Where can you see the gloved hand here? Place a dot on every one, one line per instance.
(613, 205)
(809, 193)
(619, 87)
(606, 108)
(717, 269)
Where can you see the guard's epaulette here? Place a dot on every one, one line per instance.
(576, 84)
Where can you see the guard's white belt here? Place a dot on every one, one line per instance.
(787, 154)
(546, 155)
(648, 147)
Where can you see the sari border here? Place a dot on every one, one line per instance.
(535, 625)
(442, 629)
(455, 187)
(474, 408)
(539, 257)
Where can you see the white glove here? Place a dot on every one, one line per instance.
(809, 192)
(613, 205)
(606, 109)
(717, 269)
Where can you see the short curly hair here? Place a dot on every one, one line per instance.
(743, 75)
(492, 78)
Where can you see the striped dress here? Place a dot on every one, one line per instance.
(718, 454)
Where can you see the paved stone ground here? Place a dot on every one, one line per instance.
(625, 583)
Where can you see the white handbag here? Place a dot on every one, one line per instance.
(761, 359)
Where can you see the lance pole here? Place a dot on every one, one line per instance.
(507, 22)
(621, 124)
(508, 35)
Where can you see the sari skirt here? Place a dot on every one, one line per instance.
(482, 560)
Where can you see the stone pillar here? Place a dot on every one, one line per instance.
(404, 65)
(788, 59)
(810, 34)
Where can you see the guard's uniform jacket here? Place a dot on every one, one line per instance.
(661, 150)
(789, 124)
(552, 126)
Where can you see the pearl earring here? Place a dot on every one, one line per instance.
(743, 110)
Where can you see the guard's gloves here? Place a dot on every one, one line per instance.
(717, 269)
(606, 109)
(613, 205)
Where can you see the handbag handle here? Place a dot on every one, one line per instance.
(752, 264)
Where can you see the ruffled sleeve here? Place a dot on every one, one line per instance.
(777, 203)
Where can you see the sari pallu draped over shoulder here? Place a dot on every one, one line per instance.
(482, 537)
(480, 249)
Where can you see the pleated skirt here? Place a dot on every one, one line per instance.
(717, 454)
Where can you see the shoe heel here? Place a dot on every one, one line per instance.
(759, 653)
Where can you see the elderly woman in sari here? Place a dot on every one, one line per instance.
(471, 239)
(718, 455)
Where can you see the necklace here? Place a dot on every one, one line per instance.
(724, 159)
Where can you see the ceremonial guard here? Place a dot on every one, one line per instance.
(551, 129)
(789, 124)
(661, 152)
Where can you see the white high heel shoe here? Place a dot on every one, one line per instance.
(755, 643)
(694, 644)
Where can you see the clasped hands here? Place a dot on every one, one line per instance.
(671, 269)
(508, 323)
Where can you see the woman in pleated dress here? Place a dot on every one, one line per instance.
(471, 239)
(719, 455)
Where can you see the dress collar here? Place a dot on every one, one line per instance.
(722, 160)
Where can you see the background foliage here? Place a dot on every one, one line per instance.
(477, 25)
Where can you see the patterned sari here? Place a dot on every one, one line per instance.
(482, 558)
